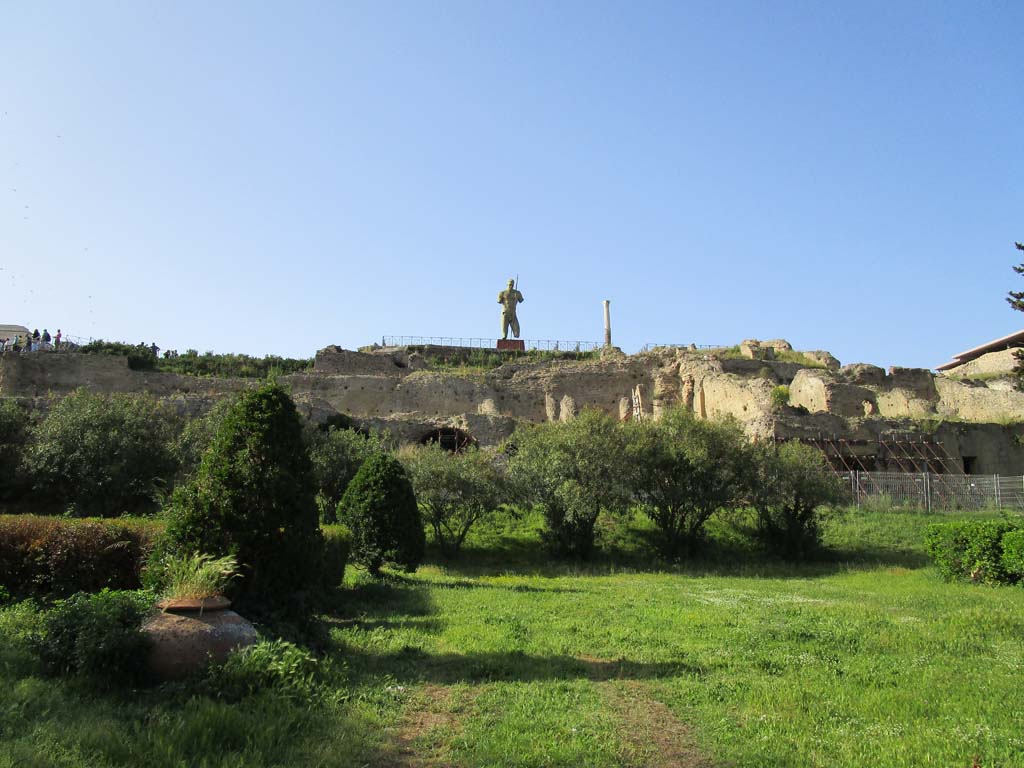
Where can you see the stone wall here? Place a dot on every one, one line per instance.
(395, 389)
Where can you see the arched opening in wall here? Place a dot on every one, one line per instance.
(449, 438)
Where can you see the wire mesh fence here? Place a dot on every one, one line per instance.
(932, 492)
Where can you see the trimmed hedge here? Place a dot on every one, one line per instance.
(60, 556)
(974, 550)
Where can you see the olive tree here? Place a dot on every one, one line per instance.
(683, 470)
(454, 490)
(792, 482)
(337, 454)
(572, 471)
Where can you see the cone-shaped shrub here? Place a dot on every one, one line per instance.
(379, 507)
(252, 497)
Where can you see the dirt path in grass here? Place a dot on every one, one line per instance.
(429, 721)
(654, 737)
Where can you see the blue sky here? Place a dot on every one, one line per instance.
(275, 178)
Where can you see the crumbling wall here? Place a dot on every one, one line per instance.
(974, 401)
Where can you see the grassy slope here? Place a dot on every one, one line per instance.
(509, 659)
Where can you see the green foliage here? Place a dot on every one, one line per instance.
(572, 471)
(337, 545)
(336, 455)
(275, 665)
(792, 482)
(191, 363)
(140, 357)
(196, 576)
(252, 497)
(106, 454)
(780, 397)
(379, 506)
(1016, 298)
(454, 490)
(15, 427)
(1013, 554)
(683, 470)
(97, 637)
(55, 556)
(973, 549)
(197, 436)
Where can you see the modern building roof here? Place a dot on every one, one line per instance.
(1006, 342)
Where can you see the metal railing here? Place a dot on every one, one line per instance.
(554, 345)
(931, 492)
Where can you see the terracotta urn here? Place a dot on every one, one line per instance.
(187, 635)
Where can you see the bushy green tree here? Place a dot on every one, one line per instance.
(379, 507)
(683, 470)
(106, 454)
(140, 357)
(791, 483)
(337, 454)
(572, 472)
(252, 497)
(197, 435)
(454, 490)
(14, 433)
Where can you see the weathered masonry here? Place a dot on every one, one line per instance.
(862, 417)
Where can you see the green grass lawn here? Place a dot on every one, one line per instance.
(508, 658)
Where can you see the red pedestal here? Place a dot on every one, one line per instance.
(511, 345)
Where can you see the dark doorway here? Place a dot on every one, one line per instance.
(970, 464)
(449, 438)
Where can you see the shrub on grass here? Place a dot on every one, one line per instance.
(276, 665)
(337, 544)
(1013, 554)
(337, 454)
(683, 470)
(252, 497)
(57, 556)
(790, 484)
(14, 433)
(97, 637)
(379, 506)
(454, 490)
(105, 454)
(572, 471)
(972, 549)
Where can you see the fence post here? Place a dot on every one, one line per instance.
(999, 501)
(927, 492)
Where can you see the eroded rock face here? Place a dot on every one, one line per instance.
(183, 644)
(822, 392)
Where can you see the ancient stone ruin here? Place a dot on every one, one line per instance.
(862, 417)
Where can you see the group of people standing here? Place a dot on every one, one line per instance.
(32, 342)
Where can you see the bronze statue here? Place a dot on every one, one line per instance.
(508, 300)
